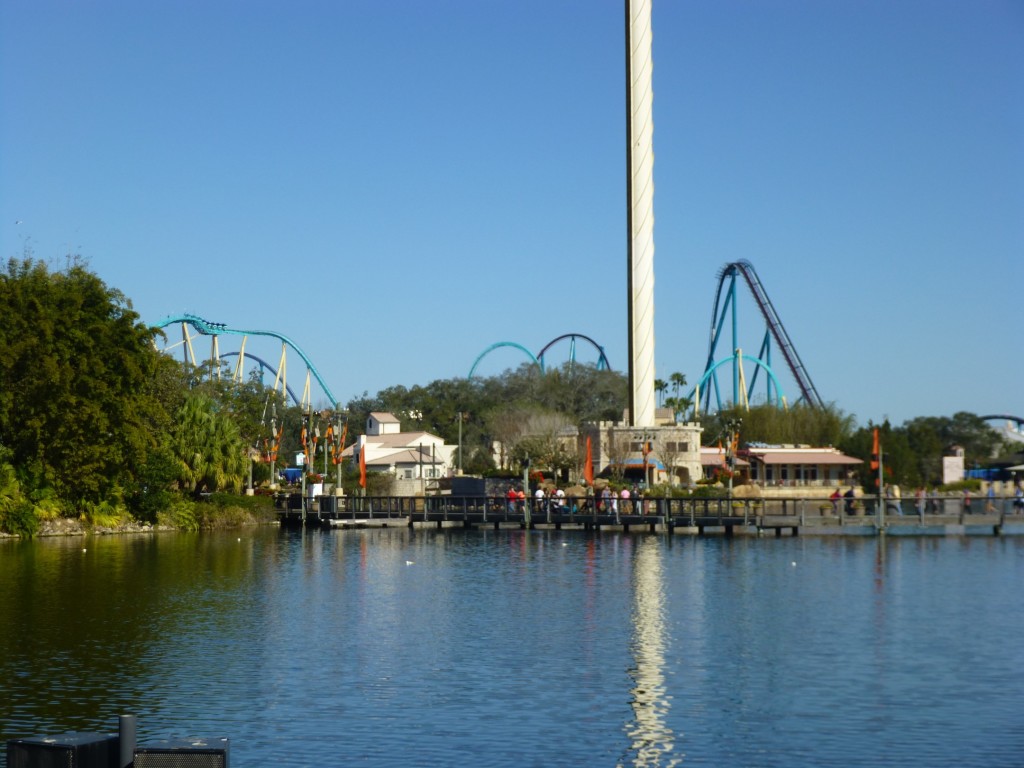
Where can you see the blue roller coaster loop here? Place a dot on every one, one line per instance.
(498, 344)
(709, 375)
(602, 359)
(216, 329)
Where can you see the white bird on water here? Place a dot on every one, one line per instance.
(409, 562)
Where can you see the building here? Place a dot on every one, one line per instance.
(797, 466)
(667, 453)
(414, 459)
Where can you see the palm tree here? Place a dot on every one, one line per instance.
(660, 387)
(208, 449)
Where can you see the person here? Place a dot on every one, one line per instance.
(560, 501)
(892, 495)
(919, 501)
(1018, 498)
(625, 496)
(834, 498)
(990, 498)
(849, 496)
(967, 501)
(932, 504)
(510, 498)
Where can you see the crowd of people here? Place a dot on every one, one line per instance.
(606, 500)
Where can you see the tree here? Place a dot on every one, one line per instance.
(800, 424)
(208, 451)
(678, 403)
(660, 388)
(77, 405)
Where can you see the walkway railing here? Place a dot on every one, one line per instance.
(669, 512)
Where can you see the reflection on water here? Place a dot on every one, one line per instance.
(517, 648)
(652, 740)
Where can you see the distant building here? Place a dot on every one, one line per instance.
(667, 453)
(797, 466)
(953, 465)
(414, 459)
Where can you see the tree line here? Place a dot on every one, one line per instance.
(96, 423)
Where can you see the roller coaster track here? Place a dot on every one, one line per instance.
(776, 329)
(206, 328)
(1011, 432)
(538, 359)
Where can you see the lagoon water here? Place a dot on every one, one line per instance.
(523, 648)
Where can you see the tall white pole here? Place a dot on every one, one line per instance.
(640, 152)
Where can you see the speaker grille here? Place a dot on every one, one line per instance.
(183, 753)
(66, 750)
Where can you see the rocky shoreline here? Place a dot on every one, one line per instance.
(66, 526)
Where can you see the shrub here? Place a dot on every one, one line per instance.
(19, 518)
(180, 514)
(105, 514)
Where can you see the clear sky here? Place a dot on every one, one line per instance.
(396, 185)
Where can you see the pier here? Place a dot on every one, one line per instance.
(701, 516)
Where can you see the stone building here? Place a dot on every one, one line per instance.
(666, 453)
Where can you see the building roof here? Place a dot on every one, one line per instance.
(713, 456)
(405, 456)
(800, 456)
(397, 440)
(384, 417)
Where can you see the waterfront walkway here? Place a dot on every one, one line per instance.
(689, 516)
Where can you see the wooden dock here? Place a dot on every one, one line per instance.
(690, 516)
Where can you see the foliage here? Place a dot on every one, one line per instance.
(76, 406)
(972, 484)
(180, 514)
(154, 484)
(19, 518)
(207, 447)
(799, 424)
(576, 392)
(912, 454)
(104, 514)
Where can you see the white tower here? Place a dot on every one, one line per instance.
(640, 186)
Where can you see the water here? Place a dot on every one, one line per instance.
(512, 648)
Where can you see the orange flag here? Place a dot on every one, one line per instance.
(588, 464)
(874, 451)
(362, 466)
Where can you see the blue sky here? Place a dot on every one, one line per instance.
(398, 185)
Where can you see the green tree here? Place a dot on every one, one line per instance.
(208, 450)
(76, 405)
(799, 424)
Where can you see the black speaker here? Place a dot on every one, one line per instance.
(66, 750)
(182, 753)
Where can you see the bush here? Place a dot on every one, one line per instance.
(962, 485)
(180, 514)
(19, 518)
(105, 514)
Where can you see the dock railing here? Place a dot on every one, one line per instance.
(674, 512)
